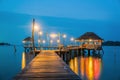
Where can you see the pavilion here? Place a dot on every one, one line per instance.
(27, 42)
(90, 40)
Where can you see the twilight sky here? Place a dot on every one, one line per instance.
(73, 17)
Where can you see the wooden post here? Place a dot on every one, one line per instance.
(24, 49)
(79, 52)
(88, 52)
(82, 52)
(67, 57)
(75, 53)
(63, 57)
(70, 52)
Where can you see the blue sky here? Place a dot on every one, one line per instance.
(73, 17)
(81, 9)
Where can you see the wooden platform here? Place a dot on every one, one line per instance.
(47, 66)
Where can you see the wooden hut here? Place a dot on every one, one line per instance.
(27, 42)
(90, 40)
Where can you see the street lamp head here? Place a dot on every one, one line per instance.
(43, 41)
(39, 41)
(40, 33)
(58, 41)
(36, 28)
(23, 42)
(64, 36)
(51, 41)
(72, 39)
(53, 35)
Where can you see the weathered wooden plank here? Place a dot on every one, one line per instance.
(47, 66)
(48, 75)
(46, 79)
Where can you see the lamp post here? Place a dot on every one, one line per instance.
(43, 42)
(34, 28)
(51, 41)
(47, 39)
(40, 40)
(53, 36)
(64, 36)
(33, 44)
(58, 41)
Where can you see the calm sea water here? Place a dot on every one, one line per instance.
(12, 62)
(94, 68)
(89, 68)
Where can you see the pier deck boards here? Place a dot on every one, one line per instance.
(47, 66)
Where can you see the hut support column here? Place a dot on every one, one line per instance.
(88, 52)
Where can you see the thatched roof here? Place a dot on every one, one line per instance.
(89, 35)
(28, 39)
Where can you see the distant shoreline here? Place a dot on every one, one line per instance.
(111, 43)
(5, 44)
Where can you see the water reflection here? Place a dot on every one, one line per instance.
(26, 58)
(23, 60)
(87, 67)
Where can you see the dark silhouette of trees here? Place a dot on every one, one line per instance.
(111, 43)
(2, 44)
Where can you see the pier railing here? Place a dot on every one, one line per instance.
(85, 46)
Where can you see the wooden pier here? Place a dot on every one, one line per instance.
(47, 66)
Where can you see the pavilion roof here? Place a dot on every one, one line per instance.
(89, 35)
(28, 39)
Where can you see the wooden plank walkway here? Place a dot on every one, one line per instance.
(47, 66)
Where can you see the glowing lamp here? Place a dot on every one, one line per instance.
(40, 33)
(72, 39)
(90, 40)
(43, 41)
(58, 41)
(51, 41)
(64, 36)
(53, 35)
(39, 41)
(23, 42)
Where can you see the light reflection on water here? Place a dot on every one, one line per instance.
(95, 68)
(87, 67)
(23, 60)
(26, 58)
